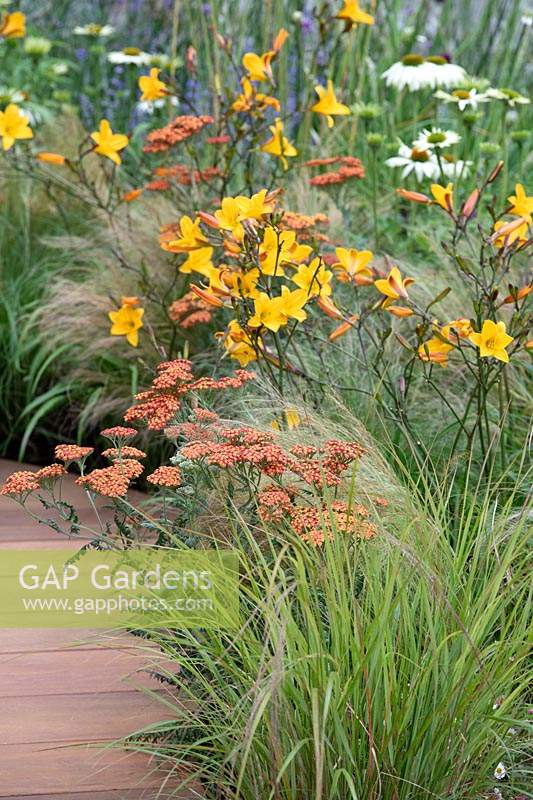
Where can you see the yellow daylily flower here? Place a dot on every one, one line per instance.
(522, 205)
(292, 303)
(393, 286)
(251, 100)
(191, 237)
(443, 196)
(126, 322)
(14, 125)
(462, 327)
(151, 87)
(258, 67)
(256, 206)
(353, 14)
(328, 105)
(435, 350)
(278, 145)
(239, 345)
(353, 265)
(314, 278)
(276, 250)
(109, 144)
(519, 234)
(13, 26)
(198, 260)
(292, 420)
(267, 313)
(492, 340)
(228, 216)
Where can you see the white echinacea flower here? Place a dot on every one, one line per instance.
(456, 169)
(93, 29)
(422, 162)
(415, 72)
(129, 55)
(465, 98)
(511, 97)
(433, 138)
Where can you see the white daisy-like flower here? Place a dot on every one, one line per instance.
(93, 29)
(500, 772)
(149, 106)
(527, 20)
(436, 138)
(456, 169)
(445, 74)
(60, 68)
(10, 95)
(130, 55)
(415, 72)
(511, 97)
(465, 98)
(422, 162)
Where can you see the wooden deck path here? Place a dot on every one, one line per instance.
(66, 694)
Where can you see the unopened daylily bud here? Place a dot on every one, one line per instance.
(517, 294)
(343, 328)
(508, 228)
(495, 172)
(399, 311)
(415, 197)
(206, 296)
(326, 305)
(209, 219)
(470, 204)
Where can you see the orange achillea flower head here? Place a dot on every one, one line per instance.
(303, 222)
(166, 476)
(159, 185)
(492, 340)
(190, 310)
(158, 405)
(51, 472)
(315, 525)
(14, 124)
(13, 26)
(119, 432)
(178, 130)
(351, 168)
(20, 483)
(151, 87)
(51, 158)
(110, 481)
(353, 15)
(327, 104)
(72, 452)
(109, 144)
(127, 321)
(119, 453)
(394, 286)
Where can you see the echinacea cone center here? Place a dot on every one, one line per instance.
(412, 60)
(419, 155)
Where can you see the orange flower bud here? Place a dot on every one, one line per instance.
(328, 307)
(518, 295)
(207, 296)
(415, 197)
(399, 311)
(343, 328)
(130, 301)
(280, 39)
(508, 228)
(51, 158)
(209, 219)
(470, 204)
(132, 195)
(495, 172)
